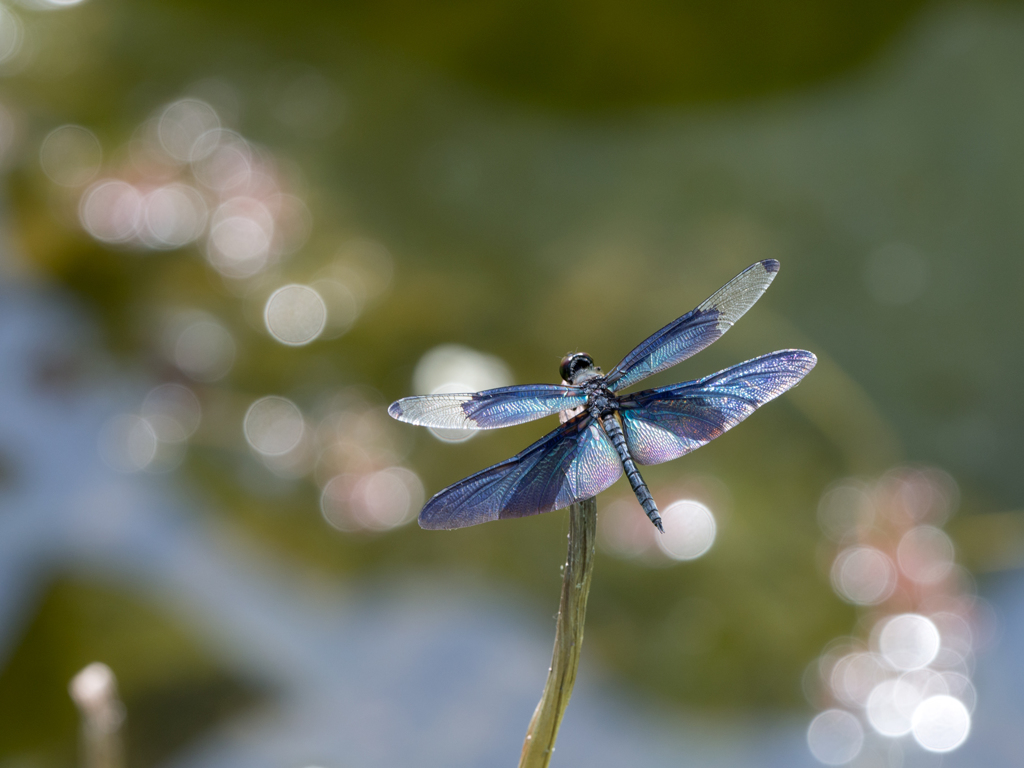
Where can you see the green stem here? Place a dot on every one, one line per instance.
(572, 610)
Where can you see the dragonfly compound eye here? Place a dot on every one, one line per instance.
(573, 363)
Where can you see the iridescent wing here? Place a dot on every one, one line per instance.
(696, 329)
(666, 423)
(574, 462)
(489, 409)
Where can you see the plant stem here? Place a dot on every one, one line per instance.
(94, 691)
(579, 566)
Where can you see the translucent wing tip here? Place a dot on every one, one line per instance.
(434, 517)
(442, 513)
(429, 524)
(439, 521)
(800, 362)
(442, 411)
(797, 360)
(395, 411)
(809, 359)
(733, 299)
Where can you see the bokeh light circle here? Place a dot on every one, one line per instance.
(182, 123)
(204, 349)
(175, 215)
(842, 508)
(835, 737)
(374, 501)
(111, 211)
(925, 554)
(855, 676)
(238, 246)
(70, 155)
(335, 503)
(941, 723)
(453, 365)
(452, 368)
(273, 425)
(891, 706)
(173, 411)
(689, 530)
(241, 233)
(863, 575)
(908, 641)
(222, 160)
(624, 530)
(295, 314)
(387, 498)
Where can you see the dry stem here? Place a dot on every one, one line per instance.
(572, 610)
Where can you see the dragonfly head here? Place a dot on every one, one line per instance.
(574, 365)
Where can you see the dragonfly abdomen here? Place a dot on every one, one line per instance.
(643, 495)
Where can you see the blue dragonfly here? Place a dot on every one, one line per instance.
(605, 433)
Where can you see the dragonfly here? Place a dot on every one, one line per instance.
(606, 434)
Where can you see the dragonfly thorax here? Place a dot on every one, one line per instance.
(601, 402)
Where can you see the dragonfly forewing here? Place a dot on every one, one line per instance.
(695, 330)
(490, 409)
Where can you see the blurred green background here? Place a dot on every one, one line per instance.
(547, 177)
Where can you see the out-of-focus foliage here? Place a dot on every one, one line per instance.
(172, 689)
(570, 55)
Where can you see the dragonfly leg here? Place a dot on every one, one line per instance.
(643, 494)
